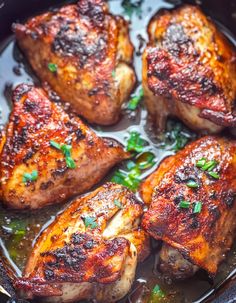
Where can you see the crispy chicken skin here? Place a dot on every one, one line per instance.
(93, 54)
(202, 238)
(189, 71)
(72, 260)
(34, 122)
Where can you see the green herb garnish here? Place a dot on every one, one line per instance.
(135, 142)
(146, 160)
(197, 207)
(113, 73)
(135, 100)
(177, 136)
(66, 150)
(30, 177)
(214, 174)
(184, 204)
(129, 179)
(157, 295)
(209, 165)
(131, 7)
(118, 203)
(52, 67)
(200, 163)
(130, 165)
(192, 184)
(90, 222)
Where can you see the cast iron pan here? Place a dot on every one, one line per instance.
(224, 14)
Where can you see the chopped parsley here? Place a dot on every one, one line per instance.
(66, 150)
(135, 143)
(197, 207)
(118, 203)
(30, 177)
(52, 67)
(135, 100)
(90, 222)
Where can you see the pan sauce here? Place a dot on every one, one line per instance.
(19, 229)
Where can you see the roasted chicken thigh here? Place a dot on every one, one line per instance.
(90, 251)
(48, 156)
(189, 71)
(84, 53)
(192, 206)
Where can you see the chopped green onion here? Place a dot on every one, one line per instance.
(55, 144)
(214, 174)
(135, 142)
(134, 102)
(90, 222)
(118, 203)
(130, 165)
(200, 163)
(30, 177)
(184, 204)
(129, 179)
(197, 207)
(66, 150)
(176, 136)
(210, 165)
(157, 295)
(52, 67)
(146, 160)
(70, 162)
(192, 184)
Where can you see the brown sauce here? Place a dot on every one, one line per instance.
(17, 245)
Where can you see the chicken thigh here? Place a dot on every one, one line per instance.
(84, 53)
(90, 251)
(47, 155)
(189, 71)
(192, 206)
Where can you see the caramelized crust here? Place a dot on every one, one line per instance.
(189, 70)
(94, 257)
(34, 122)
(92, 52)
(203, 238)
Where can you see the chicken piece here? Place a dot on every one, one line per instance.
(33, 171)
(193, 209)
(90, 251)
(89, 53)
(189, 71)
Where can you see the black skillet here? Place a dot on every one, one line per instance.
(222, 11)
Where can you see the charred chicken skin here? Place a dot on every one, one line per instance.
(84, 53)
(189, 71)
(192, 206)
(48, 156)
(90, 251)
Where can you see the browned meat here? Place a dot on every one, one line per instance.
(34, 172)
(193, 209)
(189, 71)
(90, 251)
(85, 55)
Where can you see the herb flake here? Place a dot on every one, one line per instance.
(90, 222)
(52, 67)
(30, 177)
